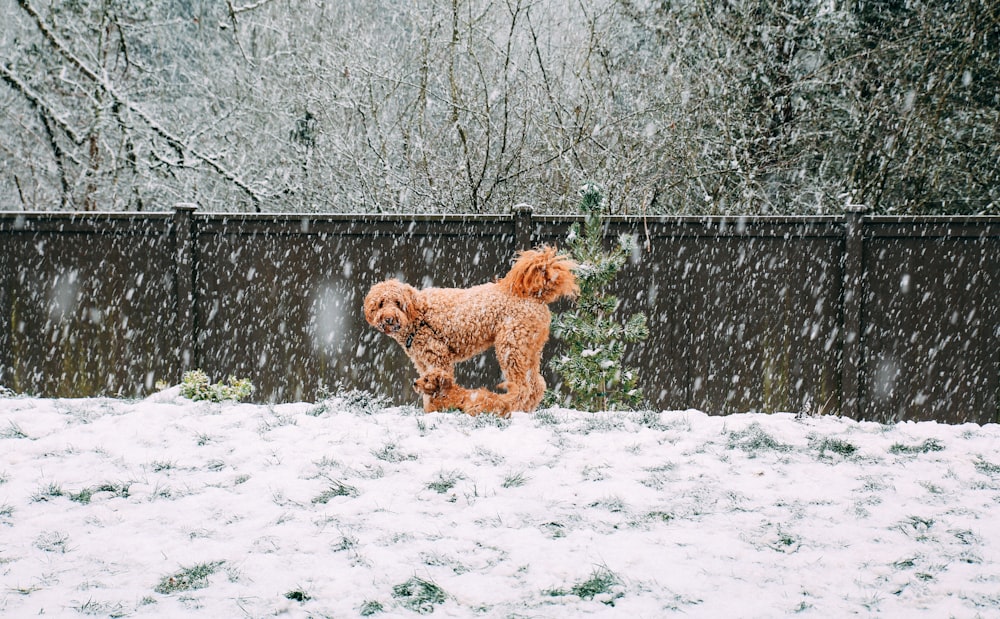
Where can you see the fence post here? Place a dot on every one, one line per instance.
(522, 226)
(184, 269)
(853, 288)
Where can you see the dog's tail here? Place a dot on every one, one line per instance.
(541, 274)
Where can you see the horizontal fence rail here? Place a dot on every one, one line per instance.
(876, 318)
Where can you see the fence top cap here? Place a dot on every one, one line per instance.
(523, 207)
(185, 206)
(855, 208)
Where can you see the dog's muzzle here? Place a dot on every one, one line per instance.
(389, 326)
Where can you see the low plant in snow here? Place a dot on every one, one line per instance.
(753, 439)
(53, 541)
(120, 490)
(158, 466)
(371, 607)
(101, 609)
(931, 444)
(391, 452)
(546, 417)
(336, 488)
(986, 467)
(419, 595)
(784, 542)
(445, 481)
(346, 543)
(515, 480)
(48, 492)
(298, 595)
(195, 385)
(659, 516)
(276, 420)
(916, 527)
(13, 431)
(485, 421)
(603, 585)
(188, 578)
(833, 445)
(362, 402)
(649, 419)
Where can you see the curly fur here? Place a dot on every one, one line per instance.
(439, 327)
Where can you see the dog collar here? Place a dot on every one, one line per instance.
(413, 334)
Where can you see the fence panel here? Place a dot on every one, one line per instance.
(878, 318)
(88, 304)
(931, 320)
(745, 315)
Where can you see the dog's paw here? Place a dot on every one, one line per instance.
(433, 384)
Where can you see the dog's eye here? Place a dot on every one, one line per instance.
(380, 304)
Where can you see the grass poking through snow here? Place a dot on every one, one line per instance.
(602, 585)
(929, 445)
(188, 578)
(754, 439)
(419, 595)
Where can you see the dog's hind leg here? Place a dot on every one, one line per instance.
(532, 396)
(520, 360)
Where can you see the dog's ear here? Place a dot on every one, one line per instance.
(413, 303)
(371, 303)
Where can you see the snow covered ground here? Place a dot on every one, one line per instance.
(345, 508)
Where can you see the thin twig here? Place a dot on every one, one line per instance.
(156, 127)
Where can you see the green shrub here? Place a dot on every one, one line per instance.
(195, 386)
(592, 368)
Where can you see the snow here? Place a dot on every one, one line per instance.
(345, 506)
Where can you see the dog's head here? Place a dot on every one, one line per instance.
(391, 306)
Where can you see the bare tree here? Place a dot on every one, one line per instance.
(927, 98)
(674, 106)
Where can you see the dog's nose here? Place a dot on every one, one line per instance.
(390, 325)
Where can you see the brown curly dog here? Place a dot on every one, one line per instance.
(438, 327)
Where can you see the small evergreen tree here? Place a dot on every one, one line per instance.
(592, 369)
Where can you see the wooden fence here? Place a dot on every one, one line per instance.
(870, 317)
